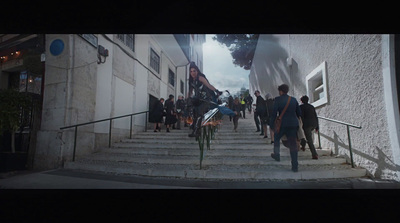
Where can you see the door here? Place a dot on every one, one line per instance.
(152, 101)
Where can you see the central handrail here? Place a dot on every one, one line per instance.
(207, 129)
(348, 125)
(109, 132)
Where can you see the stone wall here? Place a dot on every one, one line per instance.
(77, 90)
(355, 90)
(68, 77)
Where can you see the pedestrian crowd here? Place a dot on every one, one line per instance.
(283, 116)
(201, 97)
(286, 120)
(172, 113)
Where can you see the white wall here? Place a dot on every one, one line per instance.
(104, 87)
(77, 89)
(355, 83)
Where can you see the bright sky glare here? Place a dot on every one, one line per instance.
(219, 68)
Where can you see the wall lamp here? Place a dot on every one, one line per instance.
(101, 51)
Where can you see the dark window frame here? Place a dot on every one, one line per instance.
(171, 77)
(154, 60)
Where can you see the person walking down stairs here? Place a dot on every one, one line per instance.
(157, 114)
(237, 107)
(170, 117)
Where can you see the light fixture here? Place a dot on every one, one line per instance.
(289, 61)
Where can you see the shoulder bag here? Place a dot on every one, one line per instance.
(278, 120)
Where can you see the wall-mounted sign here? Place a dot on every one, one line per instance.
(56, 47)
(91, 38)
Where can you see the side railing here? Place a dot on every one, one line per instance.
(348, 125)
(110, 127)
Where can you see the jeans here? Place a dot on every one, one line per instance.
(291, 134)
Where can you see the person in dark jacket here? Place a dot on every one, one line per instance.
(170, 113)
(289, 125)
(157, 114)
(310, 122)
(249, 102)
(237, 108)
(261, 111)
(230, 105)
(180, 110)
(204, 94)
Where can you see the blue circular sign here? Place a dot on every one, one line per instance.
(56, 47)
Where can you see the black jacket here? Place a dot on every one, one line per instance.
(249, 99)
(156, 114)
(270, 106)
(180, 104)
(309, 116)
(261, 106)
(169, 107)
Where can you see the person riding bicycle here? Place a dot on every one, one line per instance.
(205, 97)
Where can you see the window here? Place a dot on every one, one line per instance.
(127, 39)
(171, 77)
(316, 83)
(182, 87)
(154, 61)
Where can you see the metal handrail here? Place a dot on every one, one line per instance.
(348, 125)
(207, 132)
(109, 132)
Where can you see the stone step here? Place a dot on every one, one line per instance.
(224, 172)
(219, 140)
(191, 145)
(242, 155)
(218, 135)
(209, 159)
(177, 133)
(213, 152)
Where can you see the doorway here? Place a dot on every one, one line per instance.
(22, 69)
(152, 102)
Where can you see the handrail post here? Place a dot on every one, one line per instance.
(130, 129)
(319, 139)
(73, 153)
(109, 134)
(145, 123)
(351, 152)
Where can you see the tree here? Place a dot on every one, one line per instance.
(12, 103)
(241, 46)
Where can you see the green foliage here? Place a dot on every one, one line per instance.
(11, 104)
(242, 47)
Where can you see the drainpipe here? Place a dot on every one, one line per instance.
(186, 78)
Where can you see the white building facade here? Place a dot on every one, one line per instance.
(350, 78)
(89, 77)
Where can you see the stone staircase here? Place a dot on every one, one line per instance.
(242, 155)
